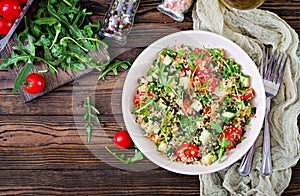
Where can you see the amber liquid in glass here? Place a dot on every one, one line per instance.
(243, 4)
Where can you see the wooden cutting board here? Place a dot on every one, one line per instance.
(52, 81)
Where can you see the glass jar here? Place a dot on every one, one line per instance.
(119, 19)
(243, 4)
(175, 8)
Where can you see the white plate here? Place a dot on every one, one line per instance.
(194, 39)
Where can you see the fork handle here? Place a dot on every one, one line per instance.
(245, 166)
(266, 168)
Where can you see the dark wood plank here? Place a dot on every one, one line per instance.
(110, 182)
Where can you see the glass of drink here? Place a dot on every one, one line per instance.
(243, 4)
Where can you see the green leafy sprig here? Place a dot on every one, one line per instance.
(137, 156)
(229, 67)
(223, 143)
(113, 66)
(89, 116)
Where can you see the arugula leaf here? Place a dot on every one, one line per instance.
(22, 75)
(113, 66)
(46, 20)
(223, 142)
(216, 127)
(57, 32)
(89, 116)
(7, 62)
(137, 156)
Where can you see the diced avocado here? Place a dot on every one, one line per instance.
(167, 60)
(228, 115)
(205, 137)
(245, 80)
(208, 159)
(162, 147)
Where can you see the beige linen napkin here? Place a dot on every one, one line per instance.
(251, 29)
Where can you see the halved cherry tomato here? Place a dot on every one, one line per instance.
(34, 83)
(232, 135)
(202, 54)
(204, 81)
(5, 26)
(141, 98)
(122, 139)
(187, 153)
(249, 94)
(206, 110)
(10, 9)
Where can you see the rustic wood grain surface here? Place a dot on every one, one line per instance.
(43, 148)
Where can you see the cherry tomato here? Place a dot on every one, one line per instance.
(204, 81)
(5, 26)
(122, 139)
(232, 135)
(202, 54)
(34, 83)
(206, 110)
(10, 9)
(23, 1)
(199, 62)
(187, 153)
(249, 94)
(141, 98)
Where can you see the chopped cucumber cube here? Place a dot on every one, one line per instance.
(205, 137)
(208, 159)
(167, 60)
(245, 80)
(162, 147)
(228, 115)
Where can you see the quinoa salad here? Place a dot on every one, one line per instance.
(194, 104)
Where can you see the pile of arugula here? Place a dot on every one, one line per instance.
(59, 36)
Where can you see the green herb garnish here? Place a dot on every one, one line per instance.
(222, 142)
(89, 116)
(137, 156)
(113, 66)
(216, 127)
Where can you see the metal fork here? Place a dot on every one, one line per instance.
(272, 67)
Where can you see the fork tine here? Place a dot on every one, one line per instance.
(282, 69)
(277, 64)
(275, 67)
(264, 61)
(270, 66)
(261, 64)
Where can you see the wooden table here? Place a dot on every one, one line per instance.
(42, 151)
